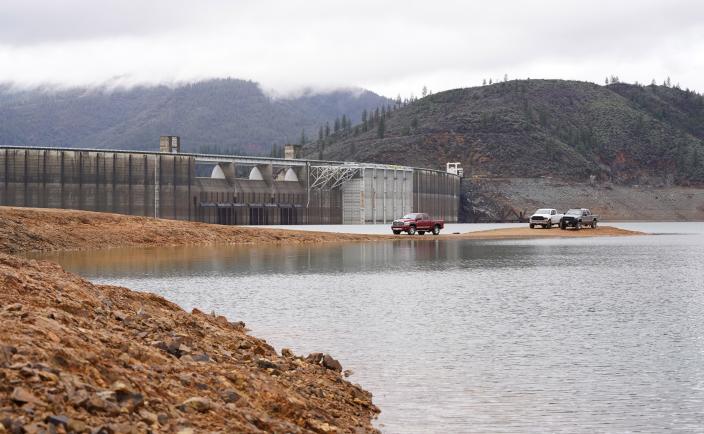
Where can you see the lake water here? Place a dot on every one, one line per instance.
(451, 336)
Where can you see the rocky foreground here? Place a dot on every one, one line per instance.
(82, 358)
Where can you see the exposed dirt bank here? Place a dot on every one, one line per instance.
(38, 229)
(519, 233)
(78, 356)
(505, 199)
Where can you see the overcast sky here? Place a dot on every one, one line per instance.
(389, 47)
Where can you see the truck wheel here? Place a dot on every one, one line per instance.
(412, 230)
(578, 226)
(547, 226)
(397, 232)
(531, 225)
(563, 226)
(594, 224)
(436, 230)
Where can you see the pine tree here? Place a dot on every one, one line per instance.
(344, 123)
(505, 78)
(303, 137)
(381, 129)
(320, 134)
(336, 127)
(484, 82)
(424, 92)
(327, 130)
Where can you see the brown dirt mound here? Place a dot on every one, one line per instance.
(35, 229)
(519, 233)
(75, 357)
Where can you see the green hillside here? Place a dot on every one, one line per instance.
(526, 128)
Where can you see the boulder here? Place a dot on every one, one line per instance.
(197, 404)
(23, 396)
(58, 420)
(230, 395)
(266, 364)
(331, 363)
(324, 360)
(15, 307)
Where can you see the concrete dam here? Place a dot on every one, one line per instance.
(222, 189)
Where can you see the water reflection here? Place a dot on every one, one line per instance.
(397, 256)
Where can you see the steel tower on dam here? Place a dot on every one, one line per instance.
(222, 189)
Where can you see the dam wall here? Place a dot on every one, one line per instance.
(222, 189)
(154, 185)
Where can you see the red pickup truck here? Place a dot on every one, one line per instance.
(417, 222)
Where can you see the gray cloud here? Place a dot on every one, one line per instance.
(391, 47)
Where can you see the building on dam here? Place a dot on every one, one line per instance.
(222, 189)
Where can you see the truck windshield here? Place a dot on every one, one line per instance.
(543, 211)
(574, 212)
(411, 216)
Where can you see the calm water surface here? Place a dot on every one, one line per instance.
(563, 335)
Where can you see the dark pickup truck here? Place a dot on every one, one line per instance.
(577, 218)
(419, 222)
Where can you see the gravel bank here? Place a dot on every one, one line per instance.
(84, 358)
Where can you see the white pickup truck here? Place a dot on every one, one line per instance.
(545, 217)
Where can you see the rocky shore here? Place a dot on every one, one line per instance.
(82, 358)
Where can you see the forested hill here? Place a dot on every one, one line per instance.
(526, 128)
(223, 114)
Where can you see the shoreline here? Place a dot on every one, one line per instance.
(79, 357)
(28, 230)
(36, 230)
(98, 358)
(528, 233)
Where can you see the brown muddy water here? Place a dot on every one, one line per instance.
(551, 335)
